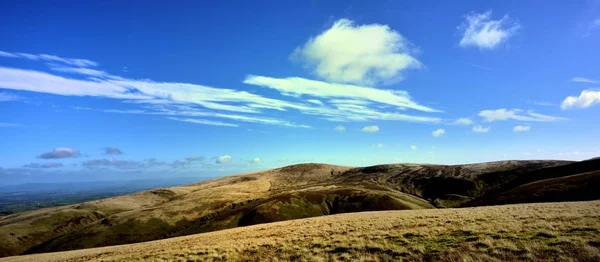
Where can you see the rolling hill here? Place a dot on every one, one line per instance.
(292, 192)
(567, 231)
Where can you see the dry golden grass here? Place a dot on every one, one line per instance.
(568, 231)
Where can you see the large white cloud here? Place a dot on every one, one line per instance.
(360, 54)
(516, 114)
(586, 99)
(481, 31)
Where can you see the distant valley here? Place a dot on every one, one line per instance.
(32, 196)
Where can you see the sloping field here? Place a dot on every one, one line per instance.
(566, 231)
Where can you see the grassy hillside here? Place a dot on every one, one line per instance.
(293, 192)
(567, 231)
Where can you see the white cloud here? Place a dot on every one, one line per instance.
(370, 129)
(297, 86)
(481, 31)
(584, 80)
(463, 121)
(360, 54)
(340, 128)
(438, 132)
(184, 110)
(516, 114)
(521, 128)
(586, 99)
(256, 161)
(223, 159)
(413, 147)
(202, 121)
(481, 129)
(51, 58)
(379, 145)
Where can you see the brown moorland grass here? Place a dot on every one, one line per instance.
(566, 231)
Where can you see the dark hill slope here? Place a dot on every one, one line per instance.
(575, 181)
(446, 186)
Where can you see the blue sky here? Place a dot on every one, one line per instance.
(110, 90)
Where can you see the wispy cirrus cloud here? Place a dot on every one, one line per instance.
(516, 114)
(297, 86)
(202, 121)
(481, 31)
(359, 54)
(579, 79)
(51, 58)
(79, 70)
(192, 103)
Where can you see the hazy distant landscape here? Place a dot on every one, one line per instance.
(26, 197)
